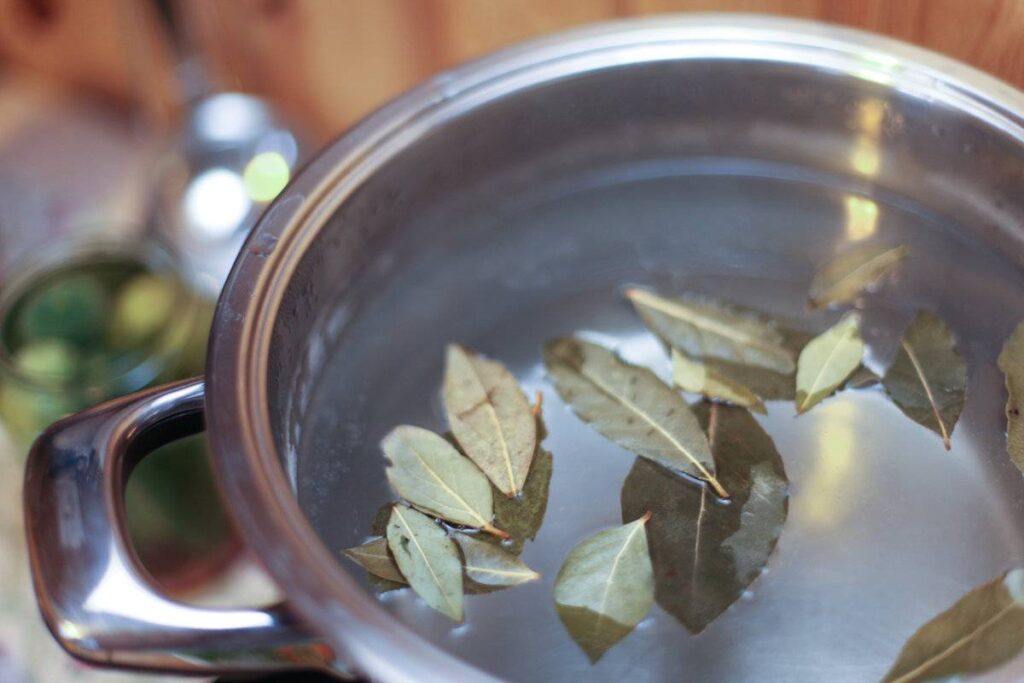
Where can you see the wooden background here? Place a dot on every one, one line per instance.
(327, 62)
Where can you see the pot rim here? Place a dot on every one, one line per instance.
(246, 460)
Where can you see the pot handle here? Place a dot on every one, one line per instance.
(95, 597)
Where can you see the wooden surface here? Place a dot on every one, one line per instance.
(330, 61)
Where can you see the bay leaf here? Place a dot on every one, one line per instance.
(928, 377)
(767, 384)
(705, 329)
(1011, 362)
(428, 559)
(705, 554)
(491, 565)
(845, 277)
(605, 587)
(379, 527)
(374, 557)
(630, 406)
(427, 471)
(862, 378)
(827, 361)
(521, 517)
(696, 377)
(490, 418)
(984, 629)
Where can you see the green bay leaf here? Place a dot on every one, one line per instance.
(827, 361)
(705, 554)
(490, 418)
(428, 559)
(605, 587)
(928, 377)
(696, 377)
(374, 557)
(984, 629)
(427, 471)
(704, 329)
(488, 564)
(845, 277)
(630, 406)
(1011, 362)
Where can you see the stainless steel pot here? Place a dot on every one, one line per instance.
(506, 202)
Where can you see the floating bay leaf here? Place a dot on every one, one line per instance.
(862, 378)
(699, 378)
(490, 418)
(373, 556)
(427, 558)
(630, 406)
(703, 329)
(1011, 362)
(428, 472)
(827, 361)
(849, 274)
(767, 384)
(521, 517)
(984, 629)
(605, 587)
(705, 554)
(927, 379)
(491, 565)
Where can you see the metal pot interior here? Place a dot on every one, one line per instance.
(520, 214)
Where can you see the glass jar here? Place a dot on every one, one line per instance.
(91, 320)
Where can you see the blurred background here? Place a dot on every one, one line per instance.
(139, 142)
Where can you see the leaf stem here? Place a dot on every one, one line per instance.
(495, 531)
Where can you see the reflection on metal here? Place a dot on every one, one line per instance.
(216, 202)
(865, 155)
(878, 68)
(861, 218)
(833, 479)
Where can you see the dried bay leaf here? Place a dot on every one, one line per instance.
(984, 629)
(1011, 362)
(928, 377)
(490, 418)
(827, 361)
(706, 554)
(373, 556)
(630, 406)
(521, 517)
(427, 471)
(427, 558)
(605, 587)
(696, 377)
(845, 277)
(704, 329)
(767, 384)
(488, 564)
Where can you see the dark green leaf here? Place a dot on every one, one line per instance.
(928, 377)
(981, 631)
(427, 558)
(1011, 362)
(705, 554)
(605, 587)
(630, 406)
(523, 515)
